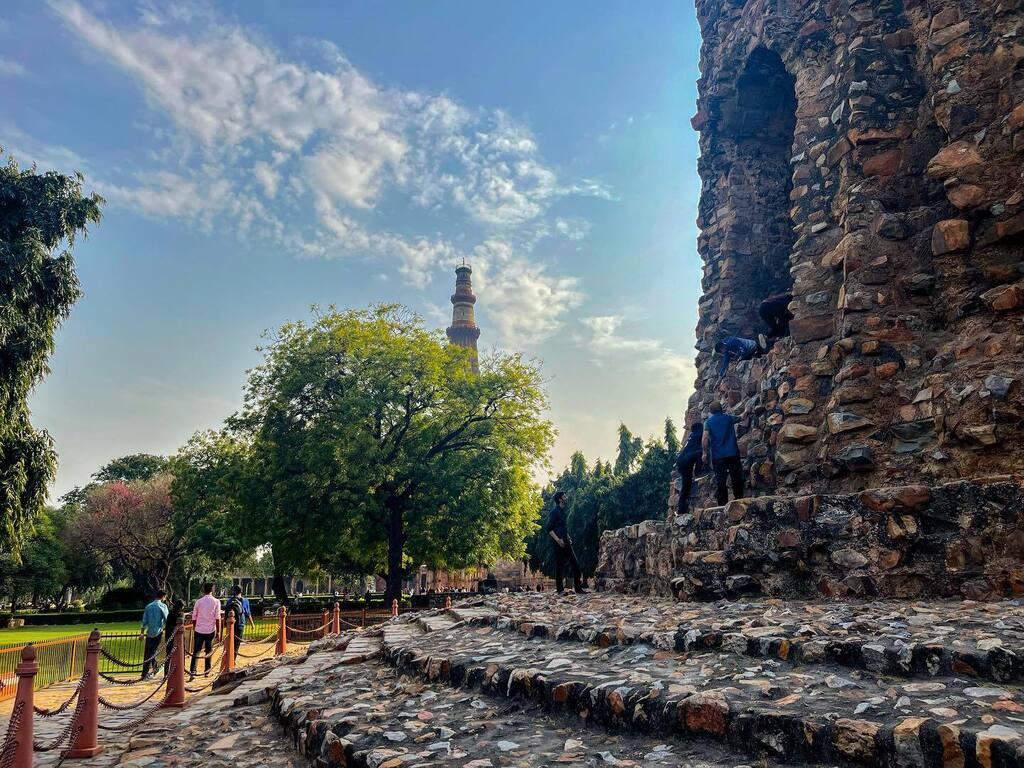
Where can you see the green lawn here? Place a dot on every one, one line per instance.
(49, 632)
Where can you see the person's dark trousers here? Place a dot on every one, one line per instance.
(565, 556)
(168, 647)
(203, 643)
(149, 661)
(238, 641)
(686, 469)
(732, 467)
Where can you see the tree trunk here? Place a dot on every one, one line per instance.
(277, 584)
(396, 543)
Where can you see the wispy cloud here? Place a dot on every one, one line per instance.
(10, 68)
(607, 343)
(317, 155)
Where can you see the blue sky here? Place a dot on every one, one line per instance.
(260, 157)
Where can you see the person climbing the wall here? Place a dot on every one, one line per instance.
(776, 315)
(688, 464)
(722, 452)
(737, 348)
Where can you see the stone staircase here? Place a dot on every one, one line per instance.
(963, 539)
(601, 679)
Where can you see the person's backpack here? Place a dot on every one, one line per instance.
(234, 605)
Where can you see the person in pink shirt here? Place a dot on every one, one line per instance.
(205, 613)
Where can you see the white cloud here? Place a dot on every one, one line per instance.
(267, 177)
(526, 303)
(251, 126)
(10, 68)
(608, 343)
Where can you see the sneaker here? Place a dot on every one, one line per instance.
(762, 342)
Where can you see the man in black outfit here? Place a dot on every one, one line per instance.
(558, 530)
(688, 462)
(775, 312)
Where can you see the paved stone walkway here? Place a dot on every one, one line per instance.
(112, 721)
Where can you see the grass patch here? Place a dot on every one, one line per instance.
(37, 634)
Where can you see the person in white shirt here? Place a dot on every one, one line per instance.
(204, 620)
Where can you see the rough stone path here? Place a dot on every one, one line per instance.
(817, 710)
(603, 680)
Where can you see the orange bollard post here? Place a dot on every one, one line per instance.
(448, 603)
(282, 631)
(394, 607)
(227, 662)
(84, 742)
(326, 624)
(336, 621)
(23, 702)
(362, 617)
(175, 696)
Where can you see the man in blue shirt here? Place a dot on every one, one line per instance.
(154, 617)
(737, 348)
(723, 452)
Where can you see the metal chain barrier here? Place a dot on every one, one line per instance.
(43, 712)
(147, 714)
(128, 664)
(264, 652)
(125, 707)
(321, 628)
(68, 734)
(271, 636)
(10, 742)
(202, 687)
(127, 683)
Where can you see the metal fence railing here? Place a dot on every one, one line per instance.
(63, 659)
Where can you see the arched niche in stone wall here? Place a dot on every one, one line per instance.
(756, 123)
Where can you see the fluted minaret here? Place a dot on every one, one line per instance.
(463, 330)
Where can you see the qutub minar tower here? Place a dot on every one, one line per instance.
(463, 331)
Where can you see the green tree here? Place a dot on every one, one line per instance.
(601, 498)
(136, 466)
(39, 214)
(368, 435)
(138, 527)
(39, 574)
(628, 451)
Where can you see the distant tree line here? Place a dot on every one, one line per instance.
(604, 496)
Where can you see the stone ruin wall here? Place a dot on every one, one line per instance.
(869, 157)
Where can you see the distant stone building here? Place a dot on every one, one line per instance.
(866, 157)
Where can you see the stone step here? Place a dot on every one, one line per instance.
(758, 708)
(367, 716)
(435, 622)
(961, 539)
(817, 634)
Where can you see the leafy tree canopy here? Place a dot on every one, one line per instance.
(367, 439)
(40, 216)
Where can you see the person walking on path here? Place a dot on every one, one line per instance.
(558, 530)
(235, 605)
(687, 464)
(154, 617)
(204, 626)
(723, 452)
(177, 607)
(737, 348)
